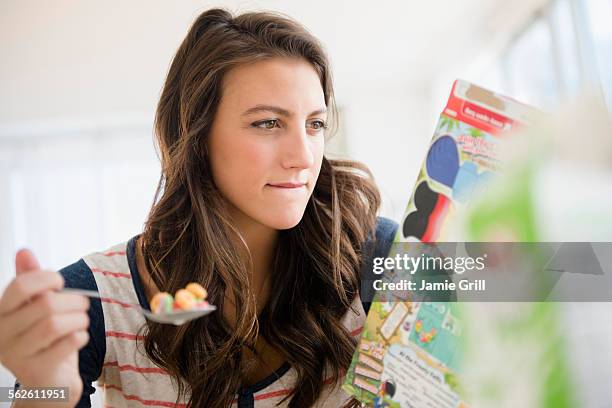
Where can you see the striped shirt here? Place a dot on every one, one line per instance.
(127, 377)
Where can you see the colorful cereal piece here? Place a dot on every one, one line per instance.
(202, 304)
(162, 302)
(185, 299)
(197, 289)
(418, 326)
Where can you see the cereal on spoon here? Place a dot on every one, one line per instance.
(192, 297)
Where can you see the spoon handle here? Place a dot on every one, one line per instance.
(91, 294)
(88, 293)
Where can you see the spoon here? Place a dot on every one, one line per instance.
(175, 318)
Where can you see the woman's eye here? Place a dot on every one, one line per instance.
(266, 124)
(318, 125)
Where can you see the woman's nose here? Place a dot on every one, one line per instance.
(297, 149)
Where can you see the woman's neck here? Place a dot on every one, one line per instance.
(261, 241)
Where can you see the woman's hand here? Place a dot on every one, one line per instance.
(42, 329)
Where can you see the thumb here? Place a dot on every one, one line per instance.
(25, 261)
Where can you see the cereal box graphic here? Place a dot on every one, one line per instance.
(409, 354)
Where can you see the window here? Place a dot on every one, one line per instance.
(598, 18)
(530, 66)
(565, 46)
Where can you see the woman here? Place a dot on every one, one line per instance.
(248, 206)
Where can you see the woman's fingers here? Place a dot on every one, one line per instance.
(26, 286)
(42, 306)
(46, 332)
(63, 347)
(25, 261)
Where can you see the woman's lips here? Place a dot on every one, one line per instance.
(287, 185)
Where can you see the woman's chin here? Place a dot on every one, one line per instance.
(283, 220)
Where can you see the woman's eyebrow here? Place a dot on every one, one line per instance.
(277, 110)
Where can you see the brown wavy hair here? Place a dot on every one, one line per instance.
(188, 235)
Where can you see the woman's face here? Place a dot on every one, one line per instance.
(266, 142)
